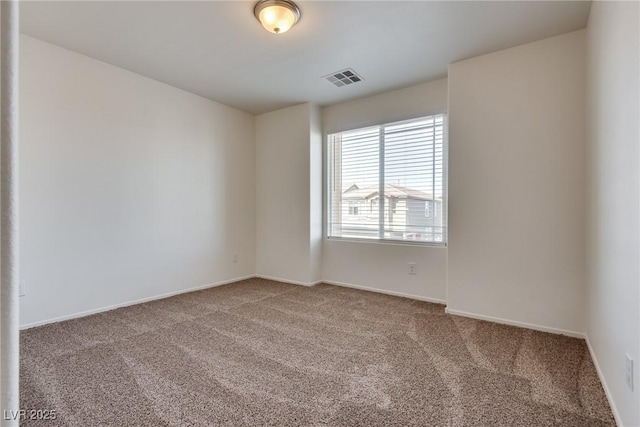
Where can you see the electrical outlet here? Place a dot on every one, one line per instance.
(629, 371)
(22, 289)
(235, 257)
(412, 268)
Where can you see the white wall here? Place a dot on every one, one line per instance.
(384, 266)
(315, 193)
(285, 142)
(129, 188)
(613, 301)
(516, 184)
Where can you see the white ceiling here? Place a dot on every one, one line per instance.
(217, 49)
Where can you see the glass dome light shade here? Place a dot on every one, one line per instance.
(277, 16)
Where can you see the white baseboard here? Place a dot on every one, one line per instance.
(385, 291)
(292, 282)
(607, 392)
(516, 323)
(128, 303)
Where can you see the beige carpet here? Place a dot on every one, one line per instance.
(261, 353)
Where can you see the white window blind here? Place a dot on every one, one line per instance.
(388, 182)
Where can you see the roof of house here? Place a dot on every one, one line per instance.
(390, 190)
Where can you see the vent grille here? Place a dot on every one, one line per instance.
(343, 78)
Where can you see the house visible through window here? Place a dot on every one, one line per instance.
(428, 209)
(388, 182)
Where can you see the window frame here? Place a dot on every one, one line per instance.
(387, 241)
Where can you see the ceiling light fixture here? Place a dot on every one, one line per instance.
(277, 16)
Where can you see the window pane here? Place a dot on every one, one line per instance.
(413, 166)
(356, 176)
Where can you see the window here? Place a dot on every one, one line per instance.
(399, 171)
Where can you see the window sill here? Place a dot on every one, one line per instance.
(388, 242)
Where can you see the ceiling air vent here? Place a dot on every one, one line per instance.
(343, 78)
